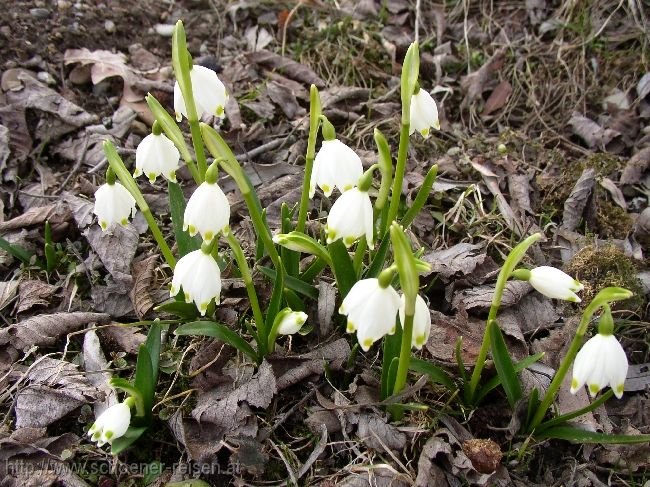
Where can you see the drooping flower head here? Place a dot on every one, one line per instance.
(421, 321)
(350, 218)
(371, 308)
(198, 274)
(424, 113)
(210, 94)
(113, 204)
(601, 362)
(111, 424)
(336, 166)
(156, 155)
(291, 322)
(207, 212)
(554, 283)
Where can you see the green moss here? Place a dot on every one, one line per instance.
(600, 267)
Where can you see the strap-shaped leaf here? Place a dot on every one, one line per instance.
(153, 347)
(297, 285)
(342, 266)
(390, 349)
(570, 433)
(217, 330)
(186, 244)
(16, 251)
(495, 381)
(435, 373)
(181, 309)
(144, 380)
(123, 442)
(421, 197)
(379, 260)
(504, 366)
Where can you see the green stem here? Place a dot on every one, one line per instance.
(574, 414)
(509, 265)
(197, 142)
(120, 170)
(400, 167)
(314, 121)
(250, 288)
(359, 254)
(404, 354)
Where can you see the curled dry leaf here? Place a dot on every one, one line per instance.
(143, 271)
(44, 330)
(55, 213)
(288, 67)
(54, 389)
(459, 260)
(475, 83)
(575, 204)
(480, 298)
(377, 434)
(35, 293)
(96, 367)
(115, 249)
(614, 191)
(595, 136)
(636, 167)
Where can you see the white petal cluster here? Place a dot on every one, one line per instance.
(291, 323)
(156, 155)
(371, 311)
(113, 204)
(554, 283)
(207, 212)
(421, 321)
(200, 277)
(350, 218)
(601, 362)
(111, 424)
(335, 166)
(424, 114)
(209, 92)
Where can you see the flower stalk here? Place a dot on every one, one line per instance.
(314, 123)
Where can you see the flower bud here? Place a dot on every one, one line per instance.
(111, 424)
(113, 204)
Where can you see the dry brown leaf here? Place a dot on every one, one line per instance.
(635, 168)
(533, 313)
(126, 338)
(143, 272)
(643, 86)
(480, 298)
(35, 293)
(96, 367)
(475, 83)
(459, 260)
(326, 307)
(8, 291)
(498, 98)
(44, 330)
(595, 136)
(445, 330)
(56, 213)
(288, 67)
(377, 434)
(55, 388)
(285, 99)
(115, 249)
(614, 191)
(575, 204)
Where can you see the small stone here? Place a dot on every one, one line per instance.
(63, 4)
(80, 75)
(485, 455)
(165, 30)
(109, 26)
(46, 78)
(39, 13)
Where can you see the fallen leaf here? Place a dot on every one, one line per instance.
(288, 67)
(614, 191)
(55, 388)
(125, 338)
(575, 204)
(56, 213)
(113, 299)
(533, 313)
(44, 330)
(480, 298)
(326, 307)
(96, 367)
(377, 434)
(498, 98)
(475, 83)
(34, 293)
(635, 168)
(429, 473)
(4, 147)
(377, 476)
(459, 260)
(445, 330)
(115, 249)
(257, 38)
(638, 377)
(143, 272)
(643, 86)
(8, 291)
(595, 136)
(285, 99)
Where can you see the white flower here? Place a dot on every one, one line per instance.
(601, 362)
(111, 424)
(350, 218)
(209, 94)
(424, 114)
(207, 212)
(554, 283)
(156, 155)
(113, 204)
(292, 322)
(336, 165)
(199, 275)
(371, 311)
(421, 321)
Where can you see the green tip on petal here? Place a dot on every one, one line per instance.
(349, 241)
(367, 343)
(108, 435)
(574, 383)
(152, 177)
(220, 111)
(350, 327)
(620, 388)
(172, 176)
(347, 187)
(203, 308)
(209, 236)
(419, 341)
(173, 291)
(124, 222)
(594, 388)
(326, 188)
(425, 132)
(192, 230)
(188, 299)
(104, 225)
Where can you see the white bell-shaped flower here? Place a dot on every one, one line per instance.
(351, 218)
(207, 212)
(424, 114)
(113, 204)
(601, 362)
(421, 321)
(209, 92)
(111, 424)
(335, 166)
(554, 283)
(156, 155)
(200, 277)
(371, 311)
(292, 323)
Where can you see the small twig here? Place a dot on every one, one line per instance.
(292, 474)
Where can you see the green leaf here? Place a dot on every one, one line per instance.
(570, 433)
(504, 366)
(181, 309)
(293, 300)
(313, 270)
(380, 259)
(144, 380)
(292, 283)
(494, 382)
(390, 349)
(290, 258)
(123, 442)
(217, 330)
(421, 197)
(435, 373)
(186, 244)
(533, 404)
(153, 347)
(558, 420)
(342, 266)
(275, 302)
(16, 250)
(390, 377)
